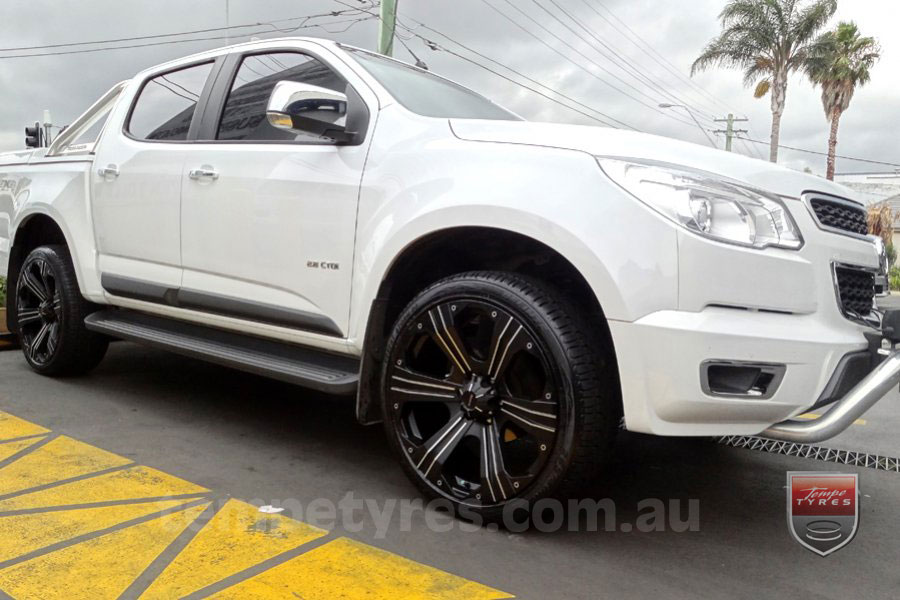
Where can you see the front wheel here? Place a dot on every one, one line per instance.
(493, 391)
(50, 313)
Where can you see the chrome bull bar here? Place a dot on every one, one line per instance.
(845, 411)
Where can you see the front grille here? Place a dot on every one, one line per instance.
(856, 290)
(844, 216)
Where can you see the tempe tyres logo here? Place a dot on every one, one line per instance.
(823, 509)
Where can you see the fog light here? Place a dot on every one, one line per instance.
(739, 379)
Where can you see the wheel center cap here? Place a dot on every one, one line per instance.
(46, 311)
(477, 398)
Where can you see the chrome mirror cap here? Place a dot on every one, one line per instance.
(289, 99)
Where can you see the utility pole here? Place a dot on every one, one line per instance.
(729, 130)
(386, 27)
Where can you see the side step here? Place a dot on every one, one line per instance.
(306, 367)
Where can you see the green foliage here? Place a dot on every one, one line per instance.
(894, 278)
(766, 38)
(840, 61)
(891, 254)
(2, 292)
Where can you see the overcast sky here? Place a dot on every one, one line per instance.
(66, 84)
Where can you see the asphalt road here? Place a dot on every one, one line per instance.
(270, 443)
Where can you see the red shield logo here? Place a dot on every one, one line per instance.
(823, 509)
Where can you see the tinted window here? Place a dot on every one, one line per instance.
(166, 104)
(244, 115)
(430, 95)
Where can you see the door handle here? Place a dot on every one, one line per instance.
(110, 171)
(203, 173)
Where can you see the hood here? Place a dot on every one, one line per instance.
(603, 141)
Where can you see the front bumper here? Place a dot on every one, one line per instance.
(660, 357)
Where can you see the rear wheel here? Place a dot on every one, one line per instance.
(493, 391)
(50, 313)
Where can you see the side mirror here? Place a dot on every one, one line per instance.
(313, 110)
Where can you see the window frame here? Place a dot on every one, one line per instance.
(215, 106)
(199, 109)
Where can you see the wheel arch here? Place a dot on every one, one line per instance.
(34, 230)
(454, 250)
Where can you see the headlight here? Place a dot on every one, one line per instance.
(710, 206)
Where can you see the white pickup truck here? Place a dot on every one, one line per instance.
(499, 293)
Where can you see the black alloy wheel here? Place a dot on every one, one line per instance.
(50, 313)
(38, 310)
(482, 397)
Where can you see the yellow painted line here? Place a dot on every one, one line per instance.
(350, 570)
(133, 483)
(8, 449)
(21, 534)
(236, 538)
(56, 460)
(99, 568)
(811, 416)
(13, 427)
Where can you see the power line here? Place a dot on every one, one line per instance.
(188, 40)
(523, 76)
(438, 47)
(335, 13)
(650, 51)
(633, 69)
(574, 62)
(865, 160)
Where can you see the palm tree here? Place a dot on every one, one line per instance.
(839, 61)
(768, 39)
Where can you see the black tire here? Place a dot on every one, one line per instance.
(548, 384)
(50, 313)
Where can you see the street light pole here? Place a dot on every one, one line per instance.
(691, 113)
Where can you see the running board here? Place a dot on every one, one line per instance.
(302, 366)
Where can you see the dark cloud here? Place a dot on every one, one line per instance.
(67, 84)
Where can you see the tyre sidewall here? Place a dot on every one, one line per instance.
(542, 326)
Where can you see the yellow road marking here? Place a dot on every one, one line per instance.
(8, 449)
(811, 416)
(96, 569)
(56, 460)
(13, 427)
(237, 537)
(349, 570)
(21, 534)
(133, 483)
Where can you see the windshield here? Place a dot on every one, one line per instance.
(427, 94)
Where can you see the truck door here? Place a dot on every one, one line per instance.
(268, 215)
(136, 184)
